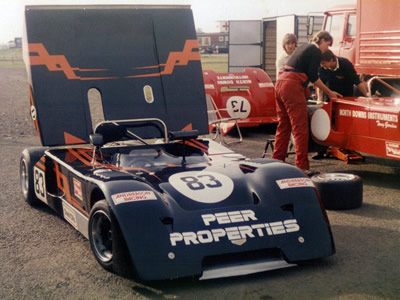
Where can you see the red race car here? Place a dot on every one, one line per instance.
(365, 124)
(248, 96)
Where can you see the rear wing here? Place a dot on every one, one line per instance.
(143, 61)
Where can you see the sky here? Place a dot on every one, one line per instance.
(206, 13)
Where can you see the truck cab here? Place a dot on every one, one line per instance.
(341, 23)
(367, 33)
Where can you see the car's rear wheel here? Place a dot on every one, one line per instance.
(107, 242)
(339, 191)
(29, 157)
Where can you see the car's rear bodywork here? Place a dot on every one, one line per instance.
(142, 62)
(185, 206)
(248, 96)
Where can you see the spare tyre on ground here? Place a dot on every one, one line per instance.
(339, 191)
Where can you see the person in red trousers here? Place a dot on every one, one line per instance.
(291, 95)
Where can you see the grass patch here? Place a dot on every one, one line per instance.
(11, 58)
(11, 65)
(215, 62)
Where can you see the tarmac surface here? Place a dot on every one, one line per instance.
(43, 257)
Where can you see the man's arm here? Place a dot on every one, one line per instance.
(320, 95)
(331, 94)
(362, 86)
(324, 77)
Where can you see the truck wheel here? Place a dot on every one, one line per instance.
(339, 191)
(107, 242)
(29, 158)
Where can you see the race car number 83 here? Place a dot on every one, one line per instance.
(195, 183)
(205, 187)
(39, 184)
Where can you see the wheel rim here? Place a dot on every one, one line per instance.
(24, 177)
(102, 236)
(335, 177)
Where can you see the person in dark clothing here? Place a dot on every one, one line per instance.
(290, 90)
(339, 75)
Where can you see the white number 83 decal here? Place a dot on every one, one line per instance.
(39, 184)
(205, 187)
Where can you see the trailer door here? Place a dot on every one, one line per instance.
(245, 45)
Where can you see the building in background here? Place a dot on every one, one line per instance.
(16, 43)
(215, 42)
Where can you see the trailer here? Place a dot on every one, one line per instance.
(258, 43)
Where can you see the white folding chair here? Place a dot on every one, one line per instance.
(217, 122)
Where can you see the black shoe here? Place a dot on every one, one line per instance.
(319, 155)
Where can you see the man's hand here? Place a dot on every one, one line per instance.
(333, 94)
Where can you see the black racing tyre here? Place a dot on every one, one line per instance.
(29, 157)
(339, 191)
(107, 242)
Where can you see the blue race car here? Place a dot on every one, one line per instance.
(154, 199)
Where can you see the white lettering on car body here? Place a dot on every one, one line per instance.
(229, 217)
(234, 233)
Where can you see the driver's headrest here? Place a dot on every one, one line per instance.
(111, 132)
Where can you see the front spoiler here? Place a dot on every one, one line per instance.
(244, 268)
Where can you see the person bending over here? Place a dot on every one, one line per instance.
(290, 90)
(339, 75)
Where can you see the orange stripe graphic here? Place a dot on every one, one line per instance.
(175, 59)
(58, 63)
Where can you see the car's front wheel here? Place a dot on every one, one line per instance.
(107, 242)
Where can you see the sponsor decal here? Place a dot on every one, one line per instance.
(237, 235)
(383, 120)
(265, 84)
(39, 180)
(203, 186)
(229, 217)
(77, 188)
(233, 79)
(133, 196)
(69, 215)
(393, 149)
(385, 124)
(209, 86)
(290, 183)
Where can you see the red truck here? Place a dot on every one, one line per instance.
(368, 34)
